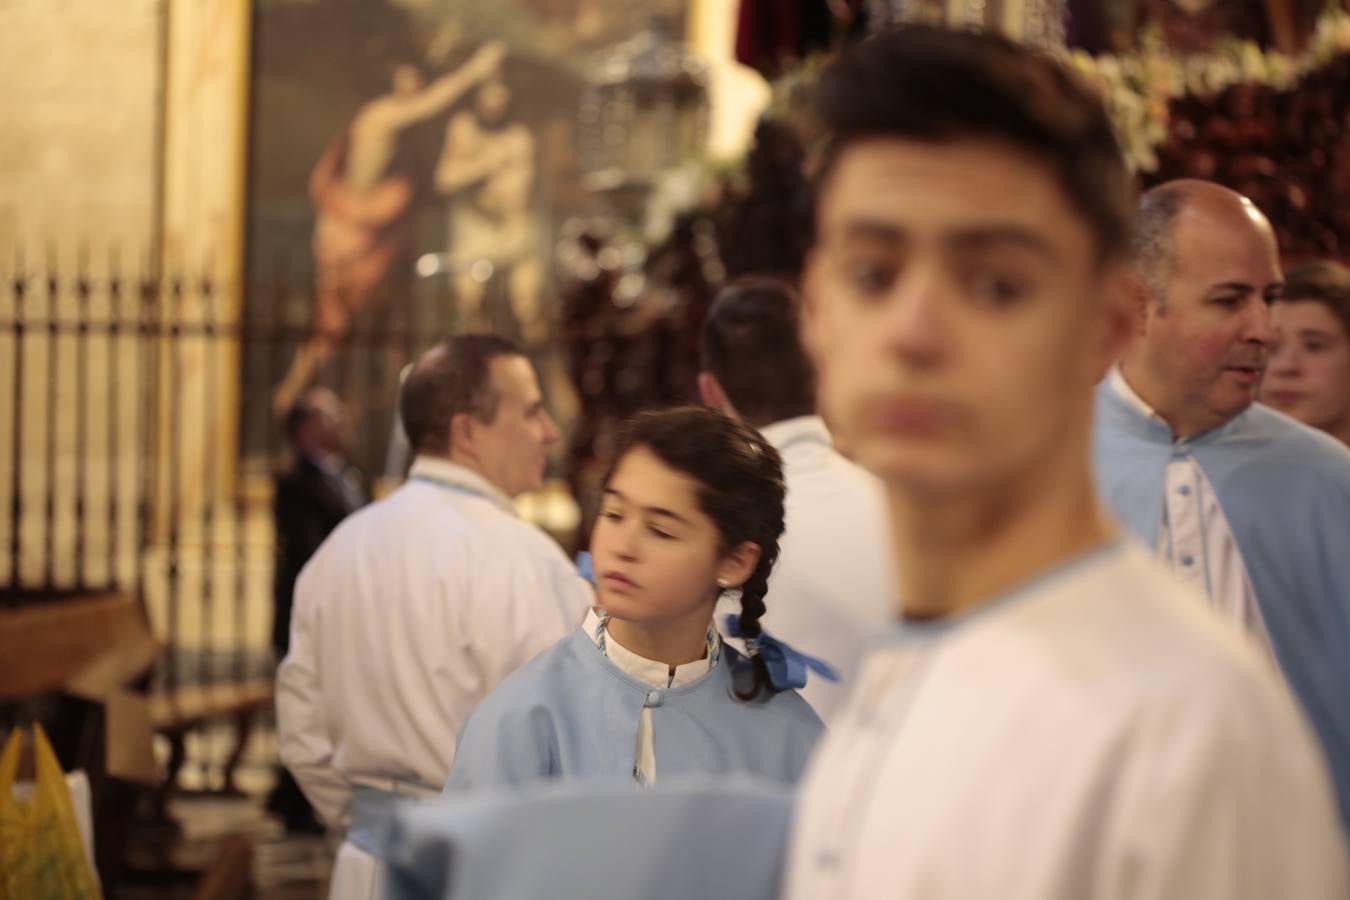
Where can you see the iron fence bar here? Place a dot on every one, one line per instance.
(208, 502)
(240, 509)
(16, 438)
(82, 291)
(146, 411)
(173, 572)
(114, 409)
(49, 507)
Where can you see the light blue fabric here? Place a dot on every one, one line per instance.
(571, 713)
(787, 667)
(586, 566)
(372, 814)
(1284, 489)
(680, 840)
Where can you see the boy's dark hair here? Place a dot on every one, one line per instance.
(451, 378)
(750, 344)
(1323, 281)
(741, 489)
(931, 84)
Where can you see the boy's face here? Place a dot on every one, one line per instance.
(956, 312)
(1309, 373)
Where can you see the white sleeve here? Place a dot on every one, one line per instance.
(536, 600)
(1231, 803)
(306, 744)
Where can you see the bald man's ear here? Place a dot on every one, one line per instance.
(1141, 299)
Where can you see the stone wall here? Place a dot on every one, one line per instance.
(78, 145)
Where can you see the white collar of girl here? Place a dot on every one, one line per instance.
(649, 671)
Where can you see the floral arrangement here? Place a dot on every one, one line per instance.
(1139, 87)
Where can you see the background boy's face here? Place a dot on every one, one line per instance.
(956, 313)
(1309, 372)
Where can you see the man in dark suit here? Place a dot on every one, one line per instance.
(319, 491)
(312, 498)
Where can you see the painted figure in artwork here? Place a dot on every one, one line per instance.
(487, 171)
(361, 203)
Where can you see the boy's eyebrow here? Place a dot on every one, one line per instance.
(982, 237)
(649, 510)
(873, 229)
(1238, 287)
(975, 237)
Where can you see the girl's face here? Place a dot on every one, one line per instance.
(657, 555)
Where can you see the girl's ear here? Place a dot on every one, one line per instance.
(739, 564)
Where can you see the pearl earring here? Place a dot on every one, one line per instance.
(723, 583)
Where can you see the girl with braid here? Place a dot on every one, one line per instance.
(692, 509)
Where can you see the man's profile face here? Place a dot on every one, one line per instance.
(513, 447)
(956, 311)
(1207, 339)
(324, 429)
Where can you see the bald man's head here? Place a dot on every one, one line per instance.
(1154, 242)
(1209, 259)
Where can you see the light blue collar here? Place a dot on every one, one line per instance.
(934, 629)
(1156, 427)
(452, 476)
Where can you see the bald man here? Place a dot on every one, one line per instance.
(1241, 501)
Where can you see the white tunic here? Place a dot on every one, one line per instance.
(833, 587)
(1194, 539)
(1097, 734)
(412, 610)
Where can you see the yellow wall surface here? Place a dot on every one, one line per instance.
(78, 127)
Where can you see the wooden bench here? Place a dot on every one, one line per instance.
(175, 714)
(91, 645)
(79, 643)
(68, 661)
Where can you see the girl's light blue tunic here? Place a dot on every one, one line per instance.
(571, 713)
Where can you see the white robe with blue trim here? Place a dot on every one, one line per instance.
(1098, 734)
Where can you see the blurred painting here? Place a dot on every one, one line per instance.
(411, 164)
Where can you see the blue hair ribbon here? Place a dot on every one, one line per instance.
(787, 667)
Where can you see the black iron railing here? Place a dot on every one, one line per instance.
(139, 440)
